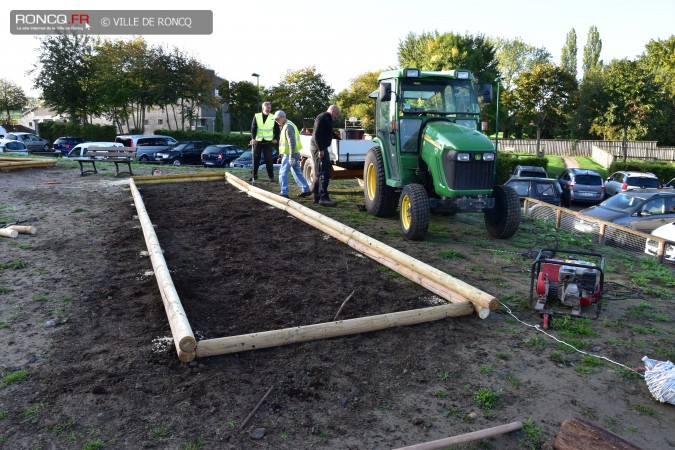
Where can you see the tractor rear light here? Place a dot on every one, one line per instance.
(488, 156)
(411, 73)
(462, 75)
(624, 186)
(463, 157)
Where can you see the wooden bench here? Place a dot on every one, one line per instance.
(117, 155)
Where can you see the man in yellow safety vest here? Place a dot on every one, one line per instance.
(289, 148)
(264, 134)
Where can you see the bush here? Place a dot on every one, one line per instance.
(664, 170)
(242, 140)
(53, 130)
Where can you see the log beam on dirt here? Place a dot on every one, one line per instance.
(8, 232)
(468, 437)
(23, 163)
(181, 331)
(305, 333)
(577, 433)
(484, 302)
(178, 177)
(23, 229)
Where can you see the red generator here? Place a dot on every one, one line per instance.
(571, 286)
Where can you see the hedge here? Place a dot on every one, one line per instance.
(242, 140)
(98, 133)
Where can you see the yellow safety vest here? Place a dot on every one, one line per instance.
(284, 145)
(265, 129)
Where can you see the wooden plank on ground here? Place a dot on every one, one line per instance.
(577, 433)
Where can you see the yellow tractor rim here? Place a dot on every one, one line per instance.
(371, 181)
(405, 212)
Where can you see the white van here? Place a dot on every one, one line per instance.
(81, 149)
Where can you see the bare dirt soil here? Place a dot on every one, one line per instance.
(87, 360)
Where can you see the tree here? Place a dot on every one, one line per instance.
(568, 58)
(592, 62)
(11, 97)
(355, 100)
(64, 75)
(544, 99)
(302, 94)
(241, 98)
(413, 50)
(659, 60)
(630, 90)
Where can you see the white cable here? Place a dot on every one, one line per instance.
(538, 328)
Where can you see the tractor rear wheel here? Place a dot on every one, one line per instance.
(414, 212)
(502, 221)
(380, 199)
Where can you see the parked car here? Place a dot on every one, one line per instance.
(81, 149)
(63, 145)
(147, 145)
(544, 189)
(626, 181)
(220, 155)
(641, 210)
(666, 232)
(33, 142)
(583, 185)
(246, 159)
(529, 171)
(186, 152)
(12, 146)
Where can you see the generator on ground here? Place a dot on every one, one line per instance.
(571, 286)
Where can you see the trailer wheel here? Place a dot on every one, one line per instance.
(414, 212)
(502, 221)
(308, 170)
(380, 199)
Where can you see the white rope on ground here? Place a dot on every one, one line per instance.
(541, 330)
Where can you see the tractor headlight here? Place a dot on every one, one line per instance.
(463, 157)
(488, 156)
(462, 75)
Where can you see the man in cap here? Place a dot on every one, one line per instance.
(289, 148)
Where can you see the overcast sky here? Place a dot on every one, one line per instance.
(345, 39)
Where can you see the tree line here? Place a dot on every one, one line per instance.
(84, 77)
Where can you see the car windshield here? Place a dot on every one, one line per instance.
(521, 187)
(643, 182)
(447, 96)
(180, 147)
(536, 174)
(588, 180)
(623, 202)
(546, 189)
(246, 155)
(211, 149)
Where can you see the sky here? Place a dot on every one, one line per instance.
(345, 39)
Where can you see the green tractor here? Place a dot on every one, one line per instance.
(430, 157)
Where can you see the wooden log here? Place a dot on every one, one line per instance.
(23, 229)
(467, 437)
(304, 333)
(157, 180)
(181, 331)
(140, 178)
(577, 433)
(8, 232)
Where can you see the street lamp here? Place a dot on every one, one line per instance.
(498, 80)
(257, 84)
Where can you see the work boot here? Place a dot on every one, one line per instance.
(305, 194)
(327, 202)
(271, 180)
(252, 179)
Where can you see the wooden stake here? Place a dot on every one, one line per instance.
(343, 305)
(252, 413)
(23, 229)
(468, 437)
(8, 232)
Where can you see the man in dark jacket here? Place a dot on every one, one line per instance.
(322, 137)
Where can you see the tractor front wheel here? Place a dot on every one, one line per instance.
(502, 221)
(414, 212)
(380, 198)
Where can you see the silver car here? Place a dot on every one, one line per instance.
(640, 210)
(627, 181)
(32, 141)
(582, 185)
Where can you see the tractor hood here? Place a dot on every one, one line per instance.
(445, 135)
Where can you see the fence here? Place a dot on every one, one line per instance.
(604, 233)
(566, 147)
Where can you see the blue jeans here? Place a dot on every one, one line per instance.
(295, 170)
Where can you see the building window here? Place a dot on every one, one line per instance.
(160, 121)
(146, 122)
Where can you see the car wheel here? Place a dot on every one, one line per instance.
(46, 147)
(176, 162)
(144, 158)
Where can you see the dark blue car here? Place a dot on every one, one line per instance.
(63, 145)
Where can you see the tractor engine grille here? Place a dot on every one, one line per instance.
(475, 173)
